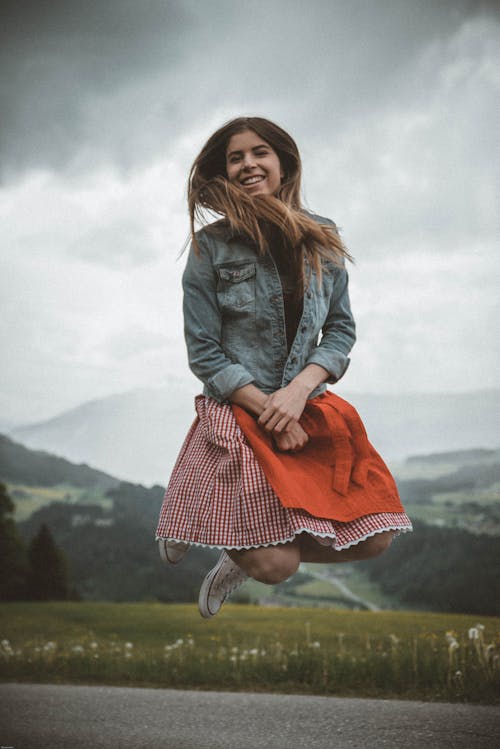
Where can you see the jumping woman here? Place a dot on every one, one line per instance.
(276, 469)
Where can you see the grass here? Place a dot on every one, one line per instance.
(253, 648)
(28, 499)
(361, 585)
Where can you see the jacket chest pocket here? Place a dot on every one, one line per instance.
(236, 285)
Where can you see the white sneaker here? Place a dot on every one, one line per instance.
(222, 579)
(172, 551)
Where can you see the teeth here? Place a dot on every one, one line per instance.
(251, 180)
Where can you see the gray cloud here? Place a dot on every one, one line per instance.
(120, 81)
(121, 243)
(393, 107)
(62, 61)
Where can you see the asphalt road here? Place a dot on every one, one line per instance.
(74, 717)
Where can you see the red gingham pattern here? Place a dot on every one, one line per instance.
(219, 496)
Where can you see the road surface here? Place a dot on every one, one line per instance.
(78, 717)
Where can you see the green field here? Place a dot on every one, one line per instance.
(28, 499)
(312, 651)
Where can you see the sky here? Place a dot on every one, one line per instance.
(394, 105)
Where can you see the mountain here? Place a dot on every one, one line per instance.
(456, 457)
(19, 465)
(112, 554)
(421, 423)
(136, 435)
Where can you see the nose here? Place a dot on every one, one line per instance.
(248, 160)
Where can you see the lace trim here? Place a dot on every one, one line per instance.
(398, 528)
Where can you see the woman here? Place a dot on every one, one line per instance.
(276, 470)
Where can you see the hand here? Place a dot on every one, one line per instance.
(283, 406)
(292, 439)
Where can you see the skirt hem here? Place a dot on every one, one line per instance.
(340, 547)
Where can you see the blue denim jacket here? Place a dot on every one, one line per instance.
(234, 320)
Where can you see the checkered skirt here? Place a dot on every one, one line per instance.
(218, 495)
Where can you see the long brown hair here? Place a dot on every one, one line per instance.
(261, 217)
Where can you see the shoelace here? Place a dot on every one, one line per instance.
(236, 573)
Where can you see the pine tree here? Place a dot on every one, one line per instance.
(13, 561)
(48, 575)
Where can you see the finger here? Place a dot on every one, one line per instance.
(282, 424)
(272, 421)
(266, 413)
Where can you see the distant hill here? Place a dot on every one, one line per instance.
(441, 570)
(422, 423)
(136, 435)
(20, 465)
(113, 555)
(458, 457)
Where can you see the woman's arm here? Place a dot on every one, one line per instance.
(202, 329)
(288, 403)
(249, 397)
(338, 333)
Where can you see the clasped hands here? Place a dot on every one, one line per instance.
(281, 414)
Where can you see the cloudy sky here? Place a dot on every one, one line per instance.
(106, 104)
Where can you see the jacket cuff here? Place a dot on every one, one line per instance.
(335, 362)
(229, 379)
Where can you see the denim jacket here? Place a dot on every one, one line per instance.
(234, 320)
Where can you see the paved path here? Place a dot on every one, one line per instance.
(74, 717)
(340, 584)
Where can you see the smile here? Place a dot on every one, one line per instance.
(252, 180)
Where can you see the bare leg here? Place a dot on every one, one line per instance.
(273, 564)
(269, 564)
(312, 551)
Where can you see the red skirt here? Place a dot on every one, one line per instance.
(231, 489)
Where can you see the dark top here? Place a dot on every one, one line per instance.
(292, 289)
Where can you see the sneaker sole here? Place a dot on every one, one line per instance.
(205, 592)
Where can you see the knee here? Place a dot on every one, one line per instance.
(271, 568)
(377, 544)
(272, 574)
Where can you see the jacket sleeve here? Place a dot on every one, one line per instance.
(338, 333)
(202, 329)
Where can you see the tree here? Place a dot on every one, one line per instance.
(13, 561)
(48, 574)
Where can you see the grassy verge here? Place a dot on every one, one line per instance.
(28, 499)
(315, 651)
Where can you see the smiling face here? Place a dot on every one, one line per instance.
(252, 164)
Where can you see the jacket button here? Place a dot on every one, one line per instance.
(293, 359)
(309, 295)
(303, 328)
